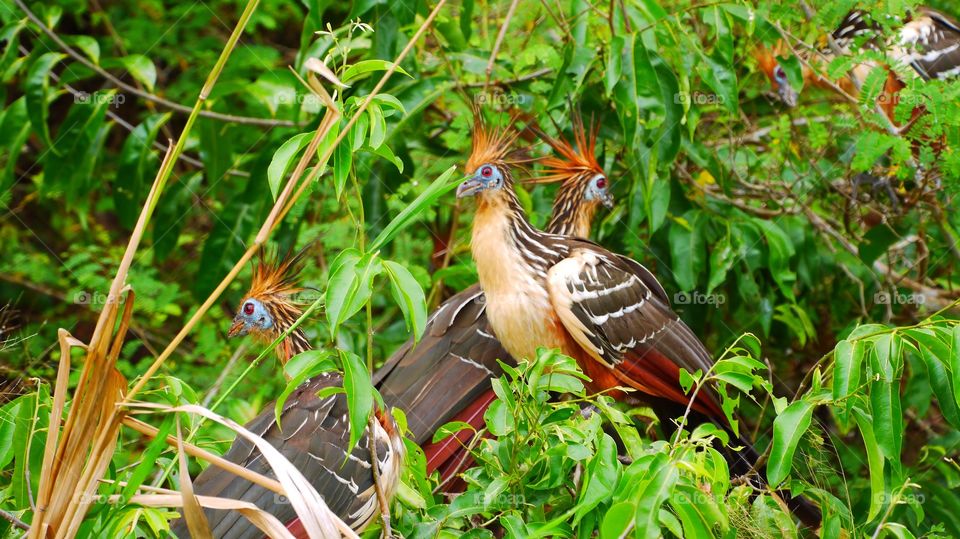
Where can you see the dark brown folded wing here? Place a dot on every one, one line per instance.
(312, 436)
(615, 309)
(447, 370)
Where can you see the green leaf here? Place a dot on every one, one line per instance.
(141, 68)
(349, 288)
(498, 418)
(788, 429)
(80, 139)
(37, 93)
(650, 496)
(359, 389)
(342, 162)
(721, 79)
(409, 295)
(431, 194)
(618, 520)
(885, 397)
(9, 411)
(466, 19)
(722, 257)
(14, 130)
(378, 125)
(494, 489)
(138, 164)
(87, 44)
(449, 429)
(241, 213)
(365, 67)
(298, 369)
(283, 159)
(215, 149)
(603, 471)
(848, 360)
(148, 460)
(780, 251)
(936, 357)
(687, 249)
(874, 462)
(955, 362)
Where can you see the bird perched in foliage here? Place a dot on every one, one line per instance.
(446, 376)
(928, 41)
(314, 431)
(605, 310)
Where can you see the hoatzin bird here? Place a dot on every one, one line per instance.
(929, 42)
(446, 376)
(313, 431)
(605, 310)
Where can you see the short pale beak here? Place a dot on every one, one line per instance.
(469, 187)
(788, 95)
(237, 329)
(607, 200)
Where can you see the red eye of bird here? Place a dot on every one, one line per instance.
(601, 183)
(248, 308)
(486, 172)
(779, 73)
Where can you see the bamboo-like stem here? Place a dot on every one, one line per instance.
(74, 464)
(277, 215)
(366, 102)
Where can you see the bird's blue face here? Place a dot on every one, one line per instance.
(252, 317)
(597, 190)
(486, 178)
(784, 89)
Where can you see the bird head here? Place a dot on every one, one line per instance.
(597, 190)
(770, 65)
(252, 317)
(584, 185)
(490, 158)
(268, 309)
(487, 177)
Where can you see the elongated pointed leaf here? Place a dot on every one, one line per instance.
(283, 159)
(37, 93)
(431, 194)
(874, 461)
(409, 295)
(788, 429)
(359, 388)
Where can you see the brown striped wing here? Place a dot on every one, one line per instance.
(933, 40)
(312, 436)
(447, 370)
(615, 309)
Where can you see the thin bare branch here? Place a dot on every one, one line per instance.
(177, 107)
(499, 41)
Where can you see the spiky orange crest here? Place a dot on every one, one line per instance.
(276, 276)
(491, 144)
(767, 60)
(572, 160)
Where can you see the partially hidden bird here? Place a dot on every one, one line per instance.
(314, 431)
(927, 40)
(446, 376)
(605, 310)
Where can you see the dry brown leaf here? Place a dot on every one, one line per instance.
(192, 512)
(317, 519)
(263, 520)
